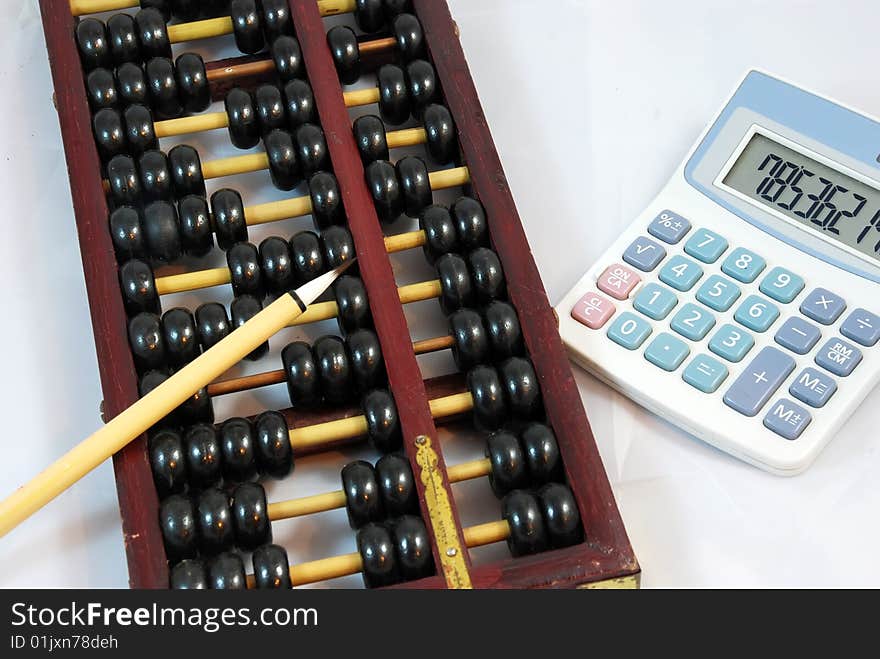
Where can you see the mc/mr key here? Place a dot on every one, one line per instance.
(757, 383)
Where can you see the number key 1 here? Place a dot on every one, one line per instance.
(782, 285)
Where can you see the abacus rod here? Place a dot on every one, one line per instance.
(257, 67)
(82, 7)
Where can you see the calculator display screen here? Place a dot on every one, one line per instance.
(811, 193)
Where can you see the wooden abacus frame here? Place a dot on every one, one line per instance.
(606, 557)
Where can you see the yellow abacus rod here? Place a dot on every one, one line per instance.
(82, 7)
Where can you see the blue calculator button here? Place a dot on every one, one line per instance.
(692, 322)
(756, 313)
(798, 335)
(705, 373)
(680, 273)
(667, 352)
(763, 376)
(862, 327)
(718, 293)
(743, 265)
(813, 387)
(823, 306)
(732, 343)
(787, 419)
(669, 227)
(629, 331)
(644, 254)
(655, 301)
(705, 246)
(839, 357)
(782, 285)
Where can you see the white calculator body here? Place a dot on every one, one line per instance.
(743, 305)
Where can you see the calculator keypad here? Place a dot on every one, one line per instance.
(731, 343)
(823, 306)
(655, 301)
(756, 313)
(718, 293)
(862, 327)
(644, 254)
(681, 273)
(618, 281)
(629, 331)
(782, 285)
(798, 335)
(706, 246)
(667, 352)
(669, 227)
(760, 380)
(839, 357)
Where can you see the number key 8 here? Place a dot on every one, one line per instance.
(743, 265)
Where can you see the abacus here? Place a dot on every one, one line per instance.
(194, 507)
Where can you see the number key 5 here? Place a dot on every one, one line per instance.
(718, 293)
(782, 285)
(743, 265)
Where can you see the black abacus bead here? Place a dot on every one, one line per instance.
(212, 324)
(311, 148)
(168, 462)
(274, 453)
(215, 526)
(509, 470)
(197, 408)
(393, 8)
(162, 6)
(192, 83)
(337, 247)
(271, 568)
(177, 519)
(369, 135)
(490, 406)
(139, 129)
(196, 236)
(528, 534)
(124, 180)
(269, 105)
(353, 304)
(237, 447)
(244, 126)
(385, 189)
(561, 516)
(326, 202)
(441, 135)
(470, 342)
(369, 15)
(242, 309)
(152, 33)
(383, 424)
(541, 452)
(229, 221)
(422, 85)
(287, 56)
(487, 274)
(334, 369)
(155, 176)
(301, 375)
(363, 501)
(505, 334)
(204, 456)
(226, 572)
(246, 26)
(211, 8)
(299, 103)
(161, 231)
(455, 283)
(397, 485)
(470, 222)
(138, 287)
(521, 387)
(147, 341)
(181, 337)
(186, 171)
(131, 84)
(412, 547)
(149, 381)
(409, 35)
(308, 256)
(377, 555)
(188, 10)
(243, 261)
(440, 236)
(109, 133)
(365, 358)
(344, 49)
(189, 574)
(93, 44)
(415, 186)
(162, 84)
(250, 516)
(394, 101)
(101, 89)
(283, 164)
(127, 234)
(124, 44)
(276, 19)
(276, 265)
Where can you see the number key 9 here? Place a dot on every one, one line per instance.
(782, 285)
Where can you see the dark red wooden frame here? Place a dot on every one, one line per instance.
(605, 555)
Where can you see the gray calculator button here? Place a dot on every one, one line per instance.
(644, 254)
(763, 376)
(813, 387)
(787, 419)
(862, 327)
(839, 357)
(798, 335)
(823, 306)
(669, 227)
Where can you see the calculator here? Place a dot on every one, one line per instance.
(742, 305)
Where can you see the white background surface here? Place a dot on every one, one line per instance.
(592, 104)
